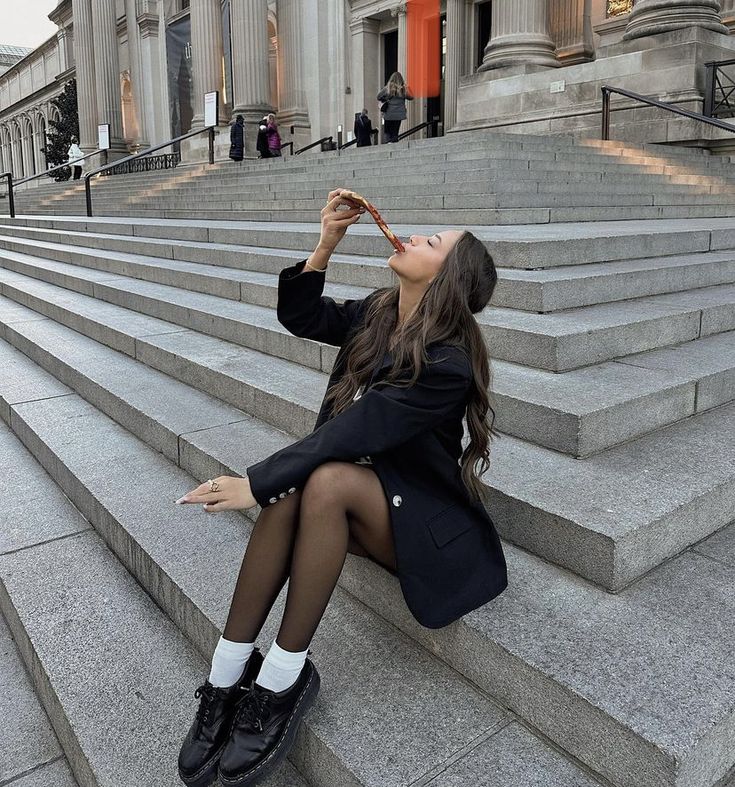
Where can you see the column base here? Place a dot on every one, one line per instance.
(535, 50)
(650, 17)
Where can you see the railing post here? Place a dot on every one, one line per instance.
(709, 89)
(11, 199)
(211, 145)
(605, 113)
(88, 194)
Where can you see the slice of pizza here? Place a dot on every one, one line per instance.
(358, 199)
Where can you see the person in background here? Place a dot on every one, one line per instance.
(274, 138)
(363, 129)
(74, 157)
(261, 144)
(393, 97)
(237, 138)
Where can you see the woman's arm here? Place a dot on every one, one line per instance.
(383, 418)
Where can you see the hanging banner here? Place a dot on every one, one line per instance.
(103, 136)
(180, 80)
(423, 42)
(211, 108)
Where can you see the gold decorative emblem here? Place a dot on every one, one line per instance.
(618, 7)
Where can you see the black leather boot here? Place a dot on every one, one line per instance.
(265, 728)
(210, 730)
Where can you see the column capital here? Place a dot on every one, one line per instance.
(364, 24)
(399, 9)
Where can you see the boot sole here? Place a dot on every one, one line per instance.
(206, 776)
(285, 743)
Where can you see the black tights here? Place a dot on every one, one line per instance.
(305, 538)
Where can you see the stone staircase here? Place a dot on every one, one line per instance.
(142, 354)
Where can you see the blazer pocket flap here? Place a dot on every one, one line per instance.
(448, 524)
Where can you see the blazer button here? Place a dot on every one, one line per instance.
(282, 495)
(292, 490)
(397, 500)
(274, 500)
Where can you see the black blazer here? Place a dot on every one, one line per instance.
(449, 558)
(363, 131)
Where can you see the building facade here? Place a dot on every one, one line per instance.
(143, 66)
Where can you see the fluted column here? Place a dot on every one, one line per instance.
(649, 17)
(520, 35)
(86, 85)
(250, 67)
(454, 58)
(107, 71)
(207, 55)
(292, 95)
(571, 30)
(413, 108)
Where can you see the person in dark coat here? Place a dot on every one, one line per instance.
(363, 129)
(237, 138)
(383, 475)
(261, 144)
(393, 99)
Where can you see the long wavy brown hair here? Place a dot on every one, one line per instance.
(444, 314)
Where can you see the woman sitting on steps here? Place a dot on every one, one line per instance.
(383, 475)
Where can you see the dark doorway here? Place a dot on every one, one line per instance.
(484, 27)
(435, 104)
(390, 54)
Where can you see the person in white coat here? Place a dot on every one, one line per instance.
(74, 157)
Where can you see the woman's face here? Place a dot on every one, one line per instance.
(424, 256)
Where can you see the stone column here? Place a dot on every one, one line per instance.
(154, 98)
(571, 30)
(86, 85)
(250, 66)
(107, 72)
(292, 95)
(414, 108)
(649, 17)
(365, 67)
(207, 55)
(454, 59)
(520, 36)
(137, 80)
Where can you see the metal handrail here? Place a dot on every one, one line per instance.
(314, 144)
(12, 184)
(373, 133)
(712, 82)
(607, 90)
(141, 154)
(287, 145)
(433, 122)
(11, 201)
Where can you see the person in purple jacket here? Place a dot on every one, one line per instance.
(384, 475)
(274, 138)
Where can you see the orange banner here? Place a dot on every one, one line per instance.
(423, 42)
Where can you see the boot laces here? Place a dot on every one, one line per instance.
(207, 692)
(253, 710)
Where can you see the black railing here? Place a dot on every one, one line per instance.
(606, 109)
(88, 176)
(719, 90)
(287, 145)
(329, 139)
(147, 164)
(433, 123)
(11, 201)
(13, 184)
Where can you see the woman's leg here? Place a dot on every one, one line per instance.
(340, 500)
(264, 569)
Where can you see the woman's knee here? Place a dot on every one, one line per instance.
(328, 484)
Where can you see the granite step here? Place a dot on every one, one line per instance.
(637, 685)
(580, 412)
(523, 247)
(443, 729)
(540, 291)
(611, 543)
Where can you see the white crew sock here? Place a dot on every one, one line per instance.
(229, 661)
(280, 668)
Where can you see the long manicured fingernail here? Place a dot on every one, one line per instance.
(181, 499)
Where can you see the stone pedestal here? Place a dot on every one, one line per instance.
(251, 77)
(207, 55)
(650, 17)
(570, 26)
(86, 86)
(107, 74)
(520, 35)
